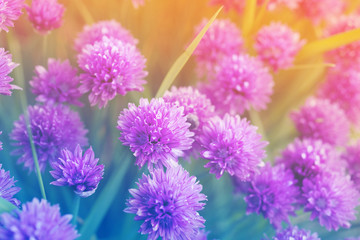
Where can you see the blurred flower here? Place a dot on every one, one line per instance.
(237, 5)
(277, 45)
(77, 171)
(168, 203)
(6, 66)
(201, 235)
(7, 187)
(57, 84)
(110, 67)
(321, 119)
(138, 3)
(156, 132)
(332, 198)
(295, 233)
(317, 10)
(273, 194)
(231, 144)
(352, 157)
(37, 220)
(241, 82)
(10, 11)
(53, 128)
(274, 4)
(110, 28)
(45, 15)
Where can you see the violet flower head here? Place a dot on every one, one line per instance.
(309, 157)
(317, 11)
(6, 67)
(111, 67)
(352, 157)
(321, 119)
(273, 193)
(237, 5)
(241, 82)
(277, 45)
(332, 198)
(110, 28)
(156, 132)
(295, 233)
(77, 171)
(232, 144)
(7, 187)
(37, 220)
(53, 128)
(168, 203)
(45, 15)
(10, 11)
(59, 83)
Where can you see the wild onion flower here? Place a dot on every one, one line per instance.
(241, 82)
(273, 193)
(77, 171)
(237, 5)
(231, 144)
(10, 11)
(6, 67)
(111, 29)
(309, 157)
(7, 187)
(59, 84)
(37, 220)
(156, 132)
(352, 157)
(332, 198)
(53, 128)
(318, 11)
(168, 203)
(111, 67)
(277, 45)
(321, 119)
(295, 233)
(274, 4)
(45, 15)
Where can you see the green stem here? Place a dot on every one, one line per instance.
(76, 209)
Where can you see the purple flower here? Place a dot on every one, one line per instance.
(95, 32)
(332, 198)
(7, 187)
(10, 11)
(53, 128)
(111, 67)
(45, 15)
(156, 132)
(77, 171)
(309, 157)
(57, 84)
(6, 67)
(277, 45)
(273, 194)
(37, 220)
(240, 82)
(352, 157)
(295, 233)
(168, 203)
(321, 119)
(317, 10)
(231, 144)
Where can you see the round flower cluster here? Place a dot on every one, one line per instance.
(6, 67)
(10, 11)
(318, 11)
(295, 233)
(352, 157)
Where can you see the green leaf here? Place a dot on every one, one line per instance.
(6, 206)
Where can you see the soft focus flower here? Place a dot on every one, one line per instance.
(352, 157)
(57, 84)
(321, 119)
(240, 82)
(53, 128)
(295, 233)
(168, 203)
(309, 157)
(77, 171)
(37, 220)
(277, 45)
(138, 3)
(237, 5)
(231, 144)
(10, 11)
(317, 10)
(332, 198)
(7, 187)
(273, 194)
(156, 132)
(111, 67)
(110, 28)
(6, 67)
(274, 4)
(45, 15)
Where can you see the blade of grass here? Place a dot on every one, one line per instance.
(6, 206)
(180, 61)
(249, 16)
